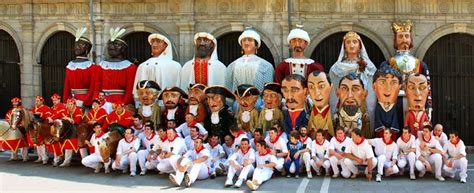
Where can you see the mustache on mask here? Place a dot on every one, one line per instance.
(291, 101)
(170, 102)
(351, 110)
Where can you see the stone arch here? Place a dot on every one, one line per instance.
(440, 32)
(47, 33)
(14, 34)
(239, 27)
(338, 27)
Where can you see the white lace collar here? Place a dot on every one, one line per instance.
(299, 60)
(115, 65)
(79, 65)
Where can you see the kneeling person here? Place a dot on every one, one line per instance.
(358, 152)
(455, 156)
(241, 163)
(194, 162)
(148, 139)
(265, 164)
(127, 153)
(387, 153)
(94, 160)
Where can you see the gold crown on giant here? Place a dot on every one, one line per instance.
(402, 26)
(351, 34)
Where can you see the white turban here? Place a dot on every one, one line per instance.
(250, 33)
(298, 33)
(208, 36)
(168, 52)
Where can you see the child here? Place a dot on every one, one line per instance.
(294, 147)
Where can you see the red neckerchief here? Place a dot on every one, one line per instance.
(321, 144)
(164, 138)
(200, 71)
(457, 142)
(199, 150)
(268, 151)
(151, 137)
(244, 151)
(342, 139)
(133, 138)
(303, 139)
(175, 136)
(276, 139)
(323, 113)
(213, 145)
(406, 140)
(100, 135)
(192, 124)
(361, 141)
(389, 142)
(241, 132)
(422, 137)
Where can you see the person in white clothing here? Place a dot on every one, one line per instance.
(148, 139)
(137, 124)
(319, 153)
(455, 157)
(278, 147)
(238, 135)
(174, 145)
(218, 156)
(358, 152)
(387, 153)
(407, 152)
(195, 162)
(189, 140)
(438, 134)
(126, 155)
(241, 163)
(337, 146)
(153, 155)
(94, 160)
(305, 153)
(183, 129)
(228, 145)
(430, 154)
(265, 163)
(257, 136)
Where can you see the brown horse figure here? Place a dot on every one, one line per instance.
(12, 137)
(84, 132)
(108, 145)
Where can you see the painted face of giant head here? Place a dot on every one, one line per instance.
(81, 48)
(295, 93)
(271, 99)
(386, 88)
(204, 47)
(247, 103)
(215, 102)
(171, 99)
(147, 96)
(351, 45)
(417, 89)
(196, 96)
(403, 41)
(157, 46)
(319, 89)
(116, 49)
(351, 94)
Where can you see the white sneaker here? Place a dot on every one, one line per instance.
(142, 173)
(187, 180)
(310, 175)
(252, 185)
(354, 176)
(65, 164)
(412, 176)
(132, 174)
(97, 169)
(228, 182)
(440, 178)
(238, 184)
(463, 180)
(173, 180)
(452, 175)
(421, 174)
(378, 178)
(335, 176)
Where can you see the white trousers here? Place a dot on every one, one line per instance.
(243, 173)
(335, 163)
(326, 164)
(92, 160)
(350, 167)
(168, 165)
(305, 159)
(279, 163)
(216, 164)
(196, 171)
(262, 174)
(68, 154)
(127, 160)
(41, 151)
(460, 164)
(142, 154)
(383, 163)
(436, 162)
(409, 158)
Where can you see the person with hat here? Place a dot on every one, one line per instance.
(16, 103)
(271, 113)
(42, 112)
(249, 69)
(219, 119)
(58, 110)
(196, 102)
(119, 116)
(298, 39)
(148, 138)
(319, 88)
(148, 91)
(81, 77)
(247, 115)
(161, 67)
(175, 107)
(6, 143)
(205, 68)
(118, 74)
(96, 115)
(74, 116)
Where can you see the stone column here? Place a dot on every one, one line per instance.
(30, 77)
(186, 41)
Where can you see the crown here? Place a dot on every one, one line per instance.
(351, 34)
(402, 26)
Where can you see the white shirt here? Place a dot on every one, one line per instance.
(452, 150)
(308, 142)
(228, 149)
(183, 130)
(279, 145)
(337, 146)
(431, 143)
(362, 150)
(239, 157)
(95, 141)
(215, 151)
(443, 138)
(124, 145)
(402, 145)
(390, 150)
(320, 150)
(176, 146)
(238, 140)
(189, 142)
(146, 142)
(265, 158)
(194, 155)
(159, 143)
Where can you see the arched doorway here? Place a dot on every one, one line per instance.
(228, 49)
(9, 71)
(327, 51)
(55, 55)
(451, 63)
(139, 49)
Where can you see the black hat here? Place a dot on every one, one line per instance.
(273, 86)
(244, 90)
(198, 86)
(221, 90)
(174, 88)
(148, 84)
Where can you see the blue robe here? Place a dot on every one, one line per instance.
(301, 120)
